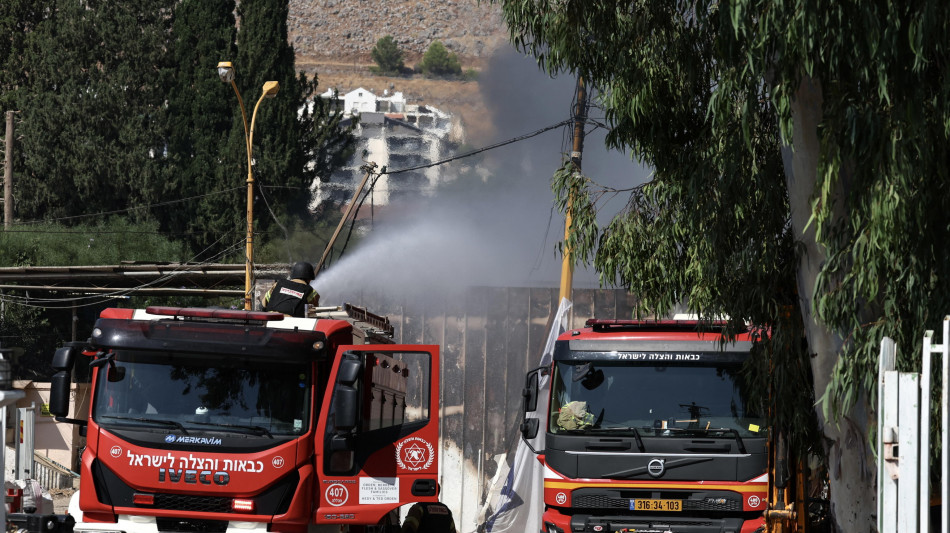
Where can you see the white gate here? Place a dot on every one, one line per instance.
(903, 438)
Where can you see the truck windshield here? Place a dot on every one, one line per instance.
(190, 392)
(670, 400)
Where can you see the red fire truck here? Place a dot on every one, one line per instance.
(214, 420)
(648, 427)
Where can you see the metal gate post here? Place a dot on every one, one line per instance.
(24, 441)
(886, 437)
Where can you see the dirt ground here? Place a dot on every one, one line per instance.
(61, 499)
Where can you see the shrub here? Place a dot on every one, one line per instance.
(388, 56)
(438, 61)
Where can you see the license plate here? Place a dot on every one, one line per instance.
(656, 505)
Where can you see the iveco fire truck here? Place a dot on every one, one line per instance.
(215, 420)
(648, 427)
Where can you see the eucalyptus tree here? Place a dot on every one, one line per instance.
(800, 156)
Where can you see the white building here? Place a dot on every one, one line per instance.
(401, 137)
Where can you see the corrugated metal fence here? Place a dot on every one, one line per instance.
(489, 337)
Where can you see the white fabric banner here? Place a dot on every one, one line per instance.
(517, 505)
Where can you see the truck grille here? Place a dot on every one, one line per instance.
(178, 525)
(203, 504)
(596, 501)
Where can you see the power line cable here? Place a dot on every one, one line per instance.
(480, 150)
(136, 208)
(102, 298)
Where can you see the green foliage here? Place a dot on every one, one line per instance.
(439, 62)
(120, 111)
(388, 56)
(202, 159)
(106, 242)
(17, 19)
(138, 120)
(91, 120)
(706, 96)
(304, 241)
(43, 322)
(26, 327)
(711, 229)
(291, 148)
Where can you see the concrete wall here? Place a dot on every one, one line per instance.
(490, 338)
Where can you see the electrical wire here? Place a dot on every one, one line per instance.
(136, 208)
(101, 298)
(480, 150)
(98, 299)
(277, 221)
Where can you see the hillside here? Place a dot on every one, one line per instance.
(348, 29)
(333, 39)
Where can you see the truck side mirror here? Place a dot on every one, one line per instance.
(529, 428)
(59, 393)
(346, 403)
(63, 358)
(530, 392)
(349, 369)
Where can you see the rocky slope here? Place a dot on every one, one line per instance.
(346, 30)
(333, 40)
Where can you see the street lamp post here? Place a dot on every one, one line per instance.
(226, 73)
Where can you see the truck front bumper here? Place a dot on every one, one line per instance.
(583, 523)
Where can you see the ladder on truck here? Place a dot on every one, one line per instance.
(903, 438)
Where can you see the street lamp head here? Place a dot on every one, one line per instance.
(271, 88)
(226, 71)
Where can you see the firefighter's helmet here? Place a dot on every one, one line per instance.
(302, 270)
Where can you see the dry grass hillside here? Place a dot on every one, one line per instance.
(333, 39)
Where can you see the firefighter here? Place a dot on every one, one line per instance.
(429, 517)
(291, 296)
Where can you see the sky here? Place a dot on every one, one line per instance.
(502, 232)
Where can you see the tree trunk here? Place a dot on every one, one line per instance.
(853, 492)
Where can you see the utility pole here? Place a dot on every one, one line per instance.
(368, 170)
(8, 174)
(580, 118)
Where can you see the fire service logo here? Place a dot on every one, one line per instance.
(414, 454)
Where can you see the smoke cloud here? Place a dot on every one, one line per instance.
(499, 231)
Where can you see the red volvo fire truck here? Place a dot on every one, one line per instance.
(648, 427)
(215, 420)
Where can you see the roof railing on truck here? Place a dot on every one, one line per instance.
(213, 314)
(603, 325)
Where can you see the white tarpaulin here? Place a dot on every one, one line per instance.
(516, 506)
